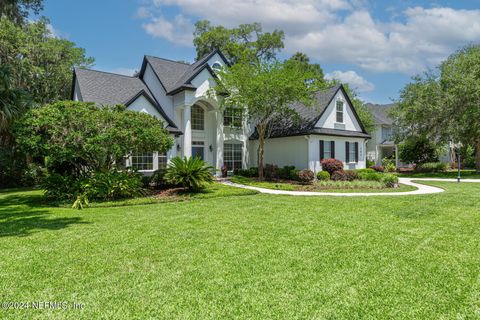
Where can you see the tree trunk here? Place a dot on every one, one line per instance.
(477, 156)
(261, 143)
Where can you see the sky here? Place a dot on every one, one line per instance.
(376, 46)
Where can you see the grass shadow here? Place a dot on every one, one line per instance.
(22, 214)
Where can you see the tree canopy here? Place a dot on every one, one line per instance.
(81, 137)
(40, 64)
(444, 104)
(17, 10)
(265, 90)
(247, 41)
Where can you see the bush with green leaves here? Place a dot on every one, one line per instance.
(389, 180)
(389, 165)
(191, 173)
(418, 150)
(369, 175)
(249, 173)
(432, 167)
(323, 175)
(285, 172)
(306, 176)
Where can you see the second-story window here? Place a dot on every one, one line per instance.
(232, 117)
(198, 118)
(339, 106)
(387, 133)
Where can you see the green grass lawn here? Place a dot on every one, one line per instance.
(465, 174)
(247, 256)
(353, 186)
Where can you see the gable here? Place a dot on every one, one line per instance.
(328, 118)
(141, 104)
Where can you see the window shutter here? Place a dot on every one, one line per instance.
(332, 148)
(322, 153)
(356, 151)
(347, 151)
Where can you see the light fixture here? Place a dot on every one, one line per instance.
(210, 148)
(178, 147)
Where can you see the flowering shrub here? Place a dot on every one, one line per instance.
(331, 165)
(339, 175)
(306, 176)
(351, 175)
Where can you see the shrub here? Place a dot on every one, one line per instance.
(61, 187)
(191, 173)
(432, 167)
(285, 172)
(418, 150)
(109, 185)
(306, 176)
(390, 180)
(339, 175)
(351, 175)
(323, 176)
(294, 175)
(370, 175)
(158, 178)
(370, 163)
(388, 165)
(270, 171)
(377, 168)
(32, 175)
(147, 181)
(249, 173)
(331, 165)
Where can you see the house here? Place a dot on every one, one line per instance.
(177, 93)
(382, 144)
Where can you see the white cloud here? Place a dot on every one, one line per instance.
(353, 79)
(338, 31)
(143, 13)
(178, 31)
(55, 33)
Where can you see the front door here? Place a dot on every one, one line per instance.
(198, 149)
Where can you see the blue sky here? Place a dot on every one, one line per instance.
(376, 46)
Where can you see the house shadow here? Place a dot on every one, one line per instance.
(23, 214)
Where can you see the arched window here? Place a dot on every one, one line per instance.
(198, 118)
(217, 66)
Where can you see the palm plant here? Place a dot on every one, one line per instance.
(191, 173)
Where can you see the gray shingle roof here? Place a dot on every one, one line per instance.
(380, 112)
(177, 75)
(305, 118)
(104, 88)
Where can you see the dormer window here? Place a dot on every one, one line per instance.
(217, 66)
(339, 107)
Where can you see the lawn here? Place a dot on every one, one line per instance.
(253, 256)
(452, 174)
(324, 186)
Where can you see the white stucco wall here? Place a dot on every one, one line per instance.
(328, 119)
(141, 104)
(314, 152)
(288, 151)
(166, 102)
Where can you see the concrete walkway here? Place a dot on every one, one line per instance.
(421, 189)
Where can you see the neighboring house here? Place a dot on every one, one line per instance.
(176, 93)
(382, 144)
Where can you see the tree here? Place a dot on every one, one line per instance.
(418, 150)
(265, 90)
(13, 102)
(78, 137)
(444, 104)
(17, 10)
(39, 63)
(247, 41)
(304, 63)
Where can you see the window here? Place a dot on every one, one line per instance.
(198, 118)
(232, 117)
(198, 149)
(142, 161)
(352, 154)
(232, 156)
(327, 149)
(387, 133)
(162, 160)
(217, 66)
(339, 111)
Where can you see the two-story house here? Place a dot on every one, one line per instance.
(177, 93)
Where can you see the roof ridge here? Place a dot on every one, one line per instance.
(169, 60)
(107, 72)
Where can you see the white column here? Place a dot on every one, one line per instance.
(396, 157)
(219, 142)
(187, 131)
